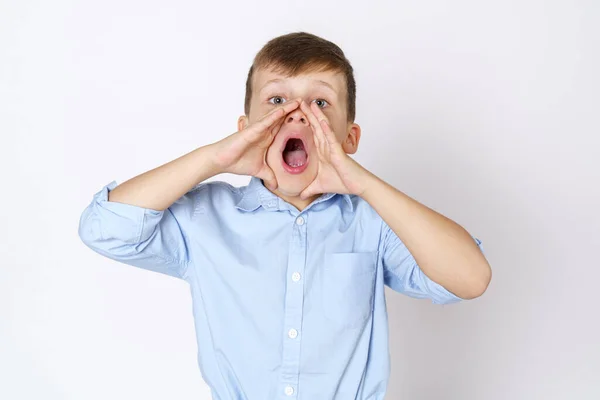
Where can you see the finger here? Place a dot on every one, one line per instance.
(314, 123)
(272, 117)
(307, 111)
(324, 124)
(268, 178)
(291, 106)
(278, 127)
(288, 108)
(309, 191)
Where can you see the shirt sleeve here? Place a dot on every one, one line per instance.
(137, 236)
(403, 274)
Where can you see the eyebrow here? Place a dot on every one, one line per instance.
(318, 81)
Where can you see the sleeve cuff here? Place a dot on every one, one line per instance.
(443, 295)
(123, 220)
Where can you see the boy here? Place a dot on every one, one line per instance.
(287, 274)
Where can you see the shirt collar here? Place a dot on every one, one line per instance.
(255, 194)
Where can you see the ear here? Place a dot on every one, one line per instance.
(350, 144)
(242, 123)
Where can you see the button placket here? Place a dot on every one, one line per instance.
(296, 276)
(294, 301)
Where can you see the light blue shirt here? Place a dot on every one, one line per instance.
(287, 304)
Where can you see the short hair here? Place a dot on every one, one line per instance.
(301, 52)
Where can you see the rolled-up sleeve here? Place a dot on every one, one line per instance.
(137, 236)
(402, 273)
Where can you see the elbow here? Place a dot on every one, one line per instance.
(478, 282)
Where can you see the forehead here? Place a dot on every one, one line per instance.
(333, 81)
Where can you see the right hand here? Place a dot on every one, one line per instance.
(244, 152)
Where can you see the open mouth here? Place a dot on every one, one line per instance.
(295, 157)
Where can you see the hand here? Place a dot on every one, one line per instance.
(337, 171)
(244, 152)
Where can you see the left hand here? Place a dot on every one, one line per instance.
(337, 172)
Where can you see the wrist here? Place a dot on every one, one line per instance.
(209, 159)
(370, 183)
(217, 156)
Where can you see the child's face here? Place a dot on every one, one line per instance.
(295, 162)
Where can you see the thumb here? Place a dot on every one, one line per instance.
(309, 191)
(273, 117)
(268, 177)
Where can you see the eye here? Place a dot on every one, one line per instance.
(277, 100)
(321, 103)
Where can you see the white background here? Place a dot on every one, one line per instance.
(485, 111)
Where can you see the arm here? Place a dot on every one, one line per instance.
(158, 188)
(425, 253)
(142, 221)
(242, 153)
(444, 251)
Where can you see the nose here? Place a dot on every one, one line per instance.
(297, 116)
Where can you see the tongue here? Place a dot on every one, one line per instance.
(295, 158)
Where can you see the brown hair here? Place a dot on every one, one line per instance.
(301, 52)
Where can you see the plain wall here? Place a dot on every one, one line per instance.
(485, 111)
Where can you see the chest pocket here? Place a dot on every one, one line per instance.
(348, 287)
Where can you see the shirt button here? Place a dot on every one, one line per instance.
(292, 333)
(296, 276)
(300, 221)
(289, 390)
